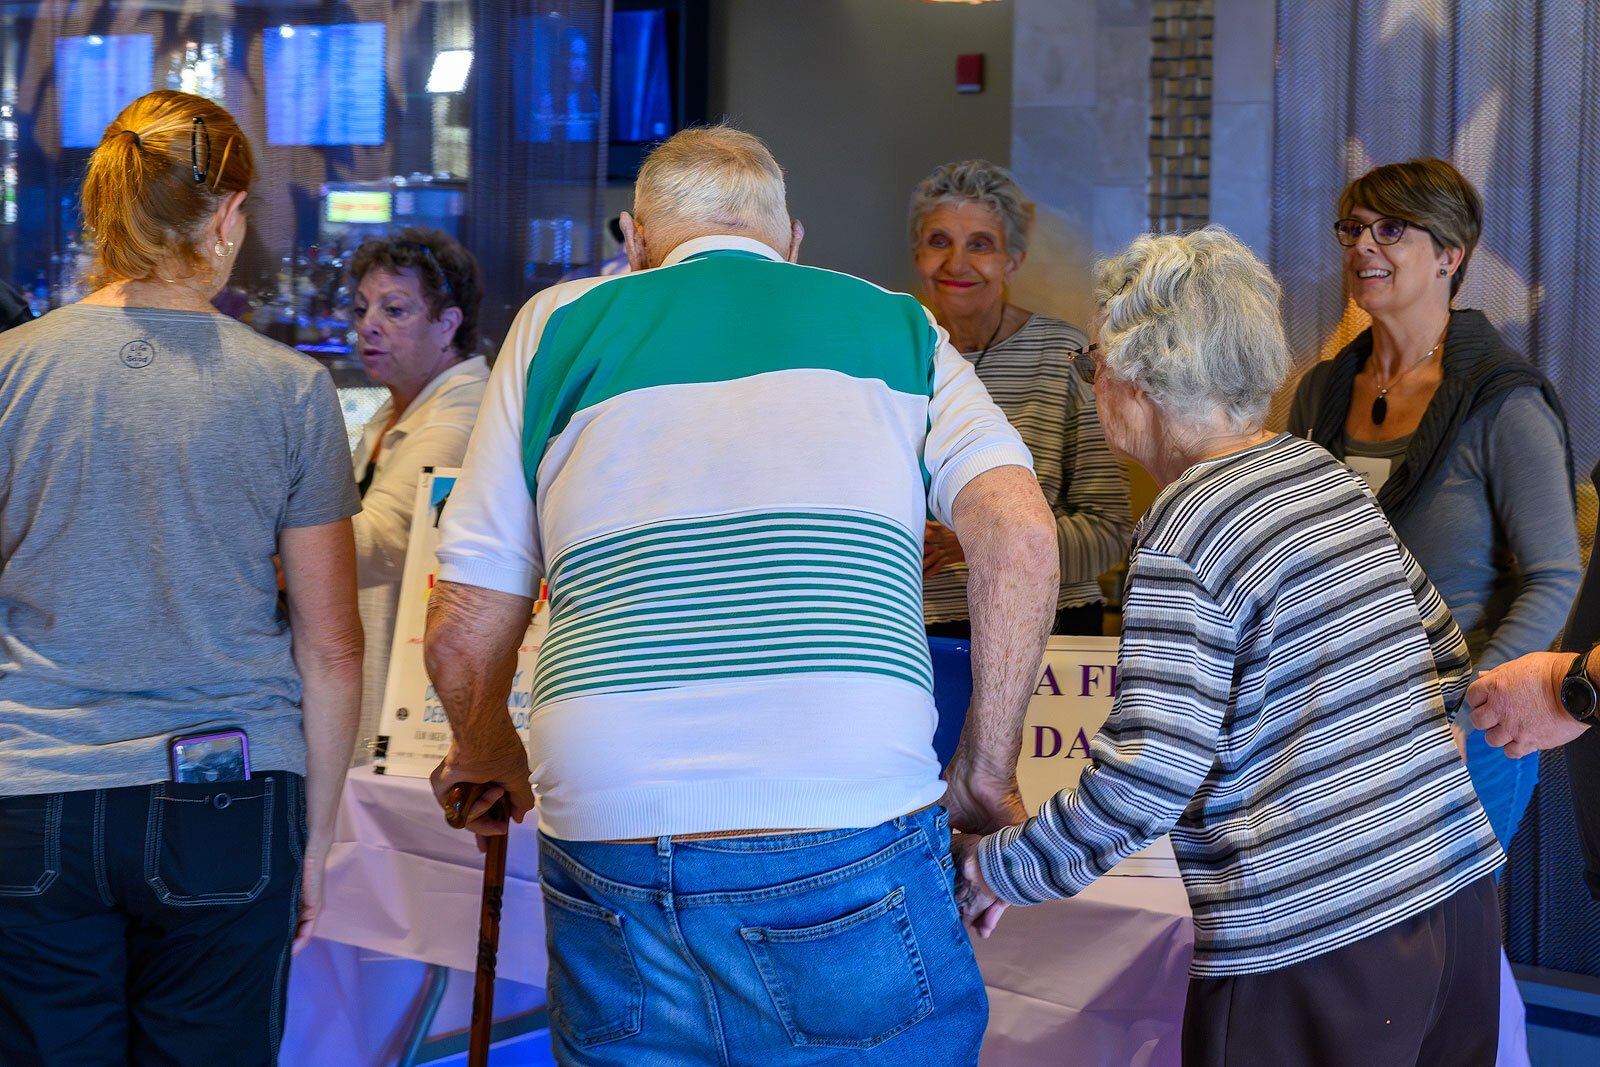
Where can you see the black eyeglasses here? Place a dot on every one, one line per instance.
(427, 254)
(1084, 363)
(199, 135)
(1385, 231)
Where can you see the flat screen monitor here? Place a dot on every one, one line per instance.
(325, 84)
(659, 59)
(555, 78)
(360, 206)
(641, 76)
(96, 77)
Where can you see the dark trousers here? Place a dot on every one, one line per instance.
(1088, 619)
(149, 925)
(1583, 774)
(1423, 992)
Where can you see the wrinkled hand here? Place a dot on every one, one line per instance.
(310, 899)
(939, 549)
(502, 767)
(981, 799)
(1518, 704)
(980, 907)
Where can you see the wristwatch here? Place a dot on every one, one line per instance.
(1578, 693)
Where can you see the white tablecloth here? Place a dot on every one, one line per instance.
(1097, 979)
(402, 882)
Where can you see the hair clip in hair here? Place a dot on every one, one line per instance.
(197, 135)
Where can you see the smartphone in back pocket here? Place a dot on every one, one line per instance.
(217, 756)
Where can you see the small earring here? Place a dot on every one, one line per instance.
(1443, 271)
(222, 249)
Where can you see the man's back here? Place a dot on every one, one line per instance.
(730, 457)
(723, 463)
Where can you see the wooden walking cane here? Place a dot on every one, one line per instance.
(457, 803)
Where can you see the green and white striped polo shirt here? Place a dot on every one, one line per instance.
(723, 466)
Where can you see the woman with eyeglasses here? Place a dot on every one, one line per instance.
(969, 225)
(172, 747)
(1285, 681)
(1462, 439)
(415, 311)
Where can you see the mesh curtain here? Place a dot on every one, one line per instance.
(1508, 91)
(524, 140)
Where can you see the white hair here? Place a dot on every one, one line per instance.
(974, 181)
(1193, 319)
(712, 179)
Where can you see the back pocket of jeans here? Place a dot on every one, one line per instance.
(30, 844)
(209, 844)
(594, 988)
(853, 982)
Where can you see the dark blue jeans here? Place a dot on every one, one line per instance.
(149, 925)
(833, 947)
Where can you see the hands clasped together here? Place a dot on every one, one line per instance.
(980, 800)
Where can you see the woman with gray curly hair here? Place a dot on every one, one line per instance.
(969, 226)
(1286, 681)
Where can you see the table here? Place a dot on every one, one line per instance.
(402, 882)
(1096, 979)
(401, 901)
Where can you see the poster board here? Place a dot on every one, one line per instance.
(1077, 685)
(413, 731)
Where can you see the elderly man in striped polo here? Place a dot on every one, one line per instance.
(722, 462)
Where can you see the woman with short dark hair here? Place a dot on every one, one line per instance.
(415, 310)
(1462, 439)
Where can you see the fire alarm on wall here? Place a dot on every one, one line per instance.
(969, 73)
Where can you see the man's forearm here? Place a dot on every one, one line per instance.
(471, 653)
(1012, 587)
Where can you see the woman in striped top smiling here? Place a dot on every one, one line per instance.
(969, 233)
(1287, 677)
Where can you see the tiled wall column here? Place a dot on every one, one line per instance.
(1081, 119)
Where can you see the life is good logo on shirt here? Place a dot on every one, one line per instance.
(138, 354)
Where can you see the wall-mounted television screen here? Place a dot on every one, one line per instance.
(359, 206)
(659, 58)
(554, 75)
(96, 77)
(641, 76)
(325, 84)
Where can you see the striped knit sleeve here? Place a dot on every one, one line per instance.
(1451, 660)
(967, 433)
(1094, 522)
(1175, 673)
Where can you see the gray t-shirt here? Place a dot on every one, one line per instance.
(150, 460)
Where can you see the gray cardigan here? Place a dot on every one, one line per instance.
(1494, 528)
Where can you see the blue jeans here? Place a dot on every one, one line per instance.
(1504, 785)
(149, 925)
(837, 946)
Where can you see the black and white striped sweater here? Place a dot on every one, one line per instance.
(1287, 675)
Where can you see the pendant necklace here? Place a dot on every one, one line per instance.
(987, 344)
(1380, 406)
